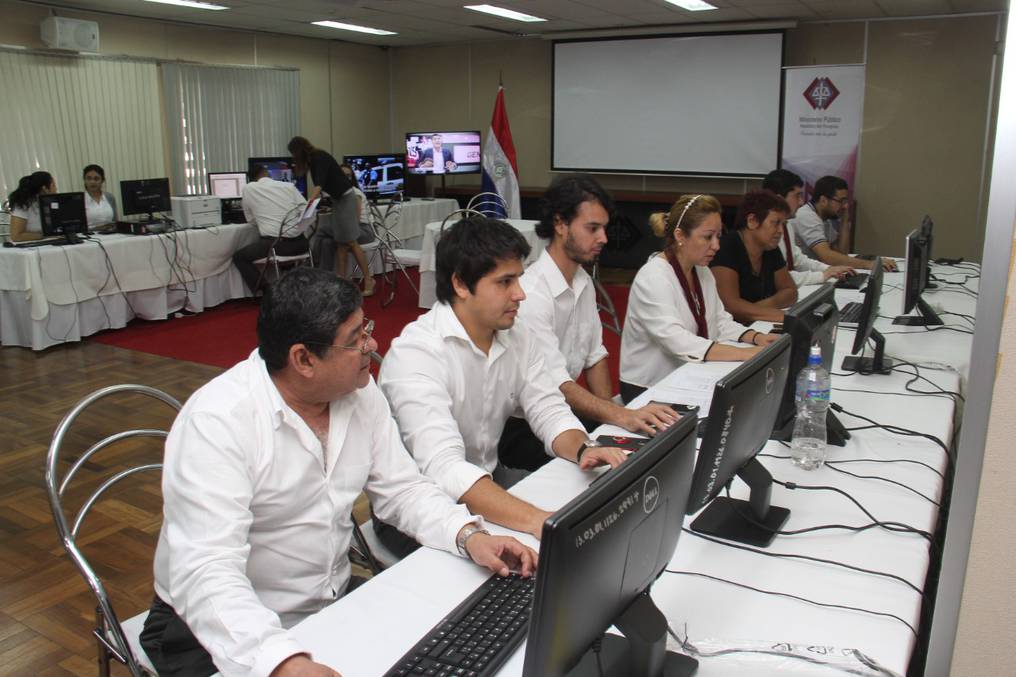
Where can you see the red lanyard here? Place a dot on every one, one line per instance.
(790, 250)
(697, 300)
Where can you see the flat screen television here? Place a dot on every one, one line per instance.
(380, 175)
(456, 152)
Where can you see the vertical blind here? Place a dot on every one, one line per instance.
(60, 113)
(218, 116)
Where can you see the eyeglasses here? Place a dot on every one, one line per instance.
(837, 200)
(364, 348)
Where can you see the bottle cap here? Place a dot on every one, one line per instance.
(815, 356)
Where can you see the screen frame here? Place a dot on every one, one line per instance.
(48, 229)
(168, 205)
(405, 164)
(208, 178)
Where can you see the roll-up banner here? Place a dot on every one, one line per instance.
(822, 111)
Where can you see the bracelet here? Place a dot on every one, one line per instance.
(582, 449)
(754, 336)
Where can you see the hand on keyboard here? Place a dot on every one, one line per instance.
(501, 554)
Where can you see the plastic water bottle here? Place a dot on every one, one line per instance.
(808, 446)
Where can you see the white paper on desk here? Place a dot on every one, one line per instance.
(692, 384)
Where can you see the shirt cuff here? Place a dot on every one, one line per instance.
(275, 650)
(558, 375)
(597, 355)
(562, 427)
(455, 527)
(457, 480)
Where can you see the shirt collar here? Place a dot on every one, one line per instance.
(555, 278)
(449, 326)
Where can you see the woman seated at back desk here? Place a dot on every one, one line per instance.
(674, 313)
(751, 273)
(100, 206)
(26, 224)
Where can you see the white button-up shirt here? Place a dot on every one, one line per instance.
(806, 269)
(98, 212)
(660, 333)
(257, 524)
(562, 319)
(270, 204)
(451, 400)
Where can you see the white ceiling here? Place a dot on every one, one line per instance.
(420, 22)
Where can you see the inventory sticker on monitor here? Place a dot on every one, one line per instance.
(607, 517)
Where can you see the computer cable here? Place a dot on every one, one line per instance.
(110, 268)
(867, 661)
(918, 377)
(895, 429)
(788, 595)
(807, 558)
(863, 460)
(49, 312)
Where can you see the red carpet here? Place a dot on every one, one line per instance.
(224, 335)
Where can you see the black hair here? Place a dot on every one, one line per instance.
(301, 149)
(306, 305)
(827, 186)
(256, 171)
(563, 198)
(29, 188)
(782, 181)
(471, 248)
(759, 203)
(94, 168)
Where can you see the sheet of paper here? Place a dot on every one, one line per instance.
(692, 384)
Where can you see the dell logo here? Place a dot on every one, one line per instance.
(650, 494)
(770, 379)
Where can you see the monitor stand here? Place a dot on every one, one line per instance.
(878, 364)
(752, 522)
(926, 317)
(836, 434)
(69, 238)
(642, 651)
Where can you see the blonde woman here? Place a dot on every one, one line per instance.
(674, 313)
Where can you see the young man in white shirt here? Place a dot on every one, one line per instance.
(275, 207)
(822, 226)
(456, 373)
(803, 269)
(560, 312)
(262, 467)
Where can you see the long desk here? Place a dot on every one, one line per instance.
(405, 601)
(57, 294)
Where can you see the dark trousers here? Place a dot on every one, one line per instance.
(245, 257)
(629, 391)
(173, 648)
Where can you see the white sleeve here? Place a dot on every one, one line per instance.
(596, 351)
(547, 411)
(414, 381)
(726, 327)
(401, 496)
(537, 316)
(805, 278)
(208, 487)
(655, 304)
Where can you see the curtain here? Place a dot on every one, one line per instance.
(60, 113)
(218, 116)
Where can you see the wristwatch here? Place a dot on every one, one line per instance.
(464, 534)
(585, 445)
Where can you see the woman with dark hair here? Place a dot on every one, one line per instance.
(100, 206)
(674, 313)
(26, 223)
(751, 273)
(343, 225)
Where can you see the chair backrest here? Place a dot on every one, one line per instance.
(489, 204)
(112, 635)
(456, 216)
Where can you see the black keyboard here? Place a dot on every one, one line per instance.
(478, 636)
(851, 313)
(855, 281)
(36, 243)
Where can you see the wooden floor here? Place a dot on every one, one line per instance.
(46, 610)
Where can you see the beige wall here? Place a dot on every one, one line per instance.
(926, 104)
(344, 88)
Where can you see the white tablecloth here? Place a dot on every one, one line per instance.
(51, 295)
(418, 212)
(405, 601)
(430, 236)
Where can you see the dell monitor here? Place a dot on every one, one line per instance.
(443, 152)
(599, 555)
(379, 176)
(878, 364)
(226, 185)
(743, 410)
(63, 214)
(915, 277)
(145, 196)
(808, 322)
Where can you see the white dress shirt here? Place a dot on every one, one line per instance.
(562, 319)
(660, 333)
(98, 212)
(257, 523)
(269, 204)
(451, 400)
(806, 269)
(33, 221)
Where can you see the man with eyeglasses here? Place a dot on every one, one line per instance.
(261, 470)
(822, 226)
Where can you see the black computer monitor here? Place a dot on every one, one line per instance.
(914, 278)
(599, 555)
(743, 409)
(63, 214)
(926, 232)
(379, 176)
(877, 364)
(145, 196)
(461, 149)
(279, 168)
(226, 185)
(810, 321)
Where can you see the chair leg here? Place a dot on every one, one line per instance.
(103, 653)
